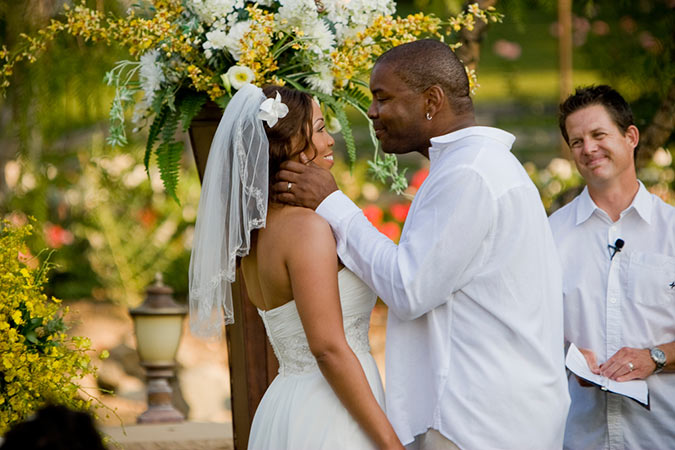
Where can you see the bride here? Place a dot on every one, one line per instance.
(328, 393)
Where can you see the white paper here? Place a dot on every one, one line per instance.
(635, 389)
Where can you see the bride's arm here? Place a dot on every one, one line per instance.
(312, 267)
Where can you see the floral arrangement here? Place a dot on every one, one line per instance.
(188, 52)
(39, 363)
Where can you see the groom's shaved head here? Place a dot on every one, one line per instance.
(427, 62)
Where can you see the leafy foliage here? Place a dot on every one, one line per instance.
(39, 363)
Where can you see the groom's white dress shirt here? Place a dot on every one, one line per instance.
(475, 331)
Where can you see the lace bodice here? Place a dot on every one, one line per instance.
(287, 336)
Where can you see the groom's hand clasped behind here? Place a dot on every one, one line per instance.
(303, 184)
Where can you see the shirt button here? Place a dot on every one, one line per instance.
(612, 300)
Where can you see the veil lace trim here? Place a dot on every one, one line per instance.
(233, 203)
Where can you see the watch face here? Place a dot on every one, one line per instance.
(658, 356)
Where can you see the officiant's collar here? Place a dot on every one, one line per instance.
(446, 141)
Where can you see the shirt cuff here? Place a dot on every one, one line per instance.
(336, 208)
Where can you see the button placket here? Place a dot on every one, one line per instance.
(613, 300)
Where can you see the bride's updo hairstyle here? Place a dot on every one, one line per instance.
(293, 133)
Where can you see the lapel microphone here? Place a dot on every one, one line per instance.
(616, 248)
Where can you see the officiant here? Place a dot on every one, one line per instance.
(617, 247)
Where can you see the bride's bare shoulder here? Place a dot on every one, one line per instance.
(295, 221)
(300, 215)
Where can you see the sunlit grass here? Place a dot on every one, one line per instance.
(541, 85)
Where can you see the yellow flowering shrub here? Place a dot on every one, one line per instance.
(39, 362)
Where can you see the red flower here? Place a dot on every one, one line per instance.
(374, 214)
(391, 229)
(419, 178)
(56, 236)
(147, 217)
(399, 211)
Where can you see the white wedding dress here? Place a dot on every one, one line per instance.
(299, 409)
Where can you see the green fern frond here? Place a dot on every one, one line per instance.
(170, 126)
(357, 96)
(153, 134)
(189, 106)
(346, 133)
(169, 153)
(168, 160)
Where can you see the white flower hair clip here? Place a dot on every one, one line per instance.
(272, 110)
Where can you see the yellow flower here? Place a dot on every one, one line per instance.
(16, 317)
(30, 376)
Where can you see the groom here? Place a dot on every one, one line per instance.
(474, 349)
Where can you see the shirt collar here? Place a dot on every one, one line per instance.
(585, 206)
(439, 143)
(642, 204)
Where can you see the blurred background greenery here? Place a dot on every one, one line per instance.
(113, 227)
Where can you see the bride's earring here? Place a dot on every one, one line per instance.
(428, 116)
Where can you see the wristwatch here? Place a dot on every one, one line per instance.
(659, 358)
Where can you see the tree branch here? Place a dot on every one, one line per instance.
(469, 52)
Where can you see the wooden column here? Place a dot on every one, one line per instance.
(253, 365)
(565, 57)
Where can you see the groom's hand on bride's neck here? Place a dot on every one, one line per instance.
(309, 183)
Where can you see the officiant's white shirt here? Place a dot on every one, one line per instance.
(610, 303)
(475, 330)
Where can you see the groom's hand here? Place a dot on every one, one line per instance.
(303, 184)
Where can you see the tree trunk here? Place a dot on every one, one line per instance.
(659, 130)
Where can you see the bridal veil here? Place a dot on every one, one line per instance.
(233, 203)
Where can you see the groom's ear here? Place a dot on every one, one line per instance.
(434, 97)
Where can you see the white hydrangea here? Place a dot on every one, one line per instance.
(320, 36)
(323, 80)
(298, 13)
(209, 11)
(216, 39)
(151, 74)
(234, 37)
(350, 17)
(151, 77)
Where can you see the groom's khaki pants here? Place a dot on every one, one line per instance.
(431, 440)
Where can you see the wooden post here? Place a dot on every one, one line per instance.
(565, 57)
(253, 365)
